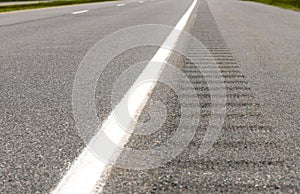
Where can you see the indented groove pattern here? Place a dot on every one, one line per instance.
(245, 156)
(243, 129)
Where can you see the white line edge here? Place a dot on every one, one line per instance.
(87, 169)
(78, 12)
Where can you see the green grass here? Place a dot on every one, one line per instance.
(286, 4)
(46, 4)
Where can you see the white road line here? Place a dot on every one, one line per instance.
(78, 12)
(141, 1)
(87, 169)
(120, 4)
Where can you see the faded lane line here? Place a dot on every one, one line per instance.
(87, 169)
(78, 12)
(121, 4)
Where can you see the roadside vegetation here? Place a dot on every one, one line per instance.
(43, 4)
(287, 4)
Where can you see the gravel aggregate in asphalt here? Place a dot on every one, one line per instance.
(40, 53)
(251, 155)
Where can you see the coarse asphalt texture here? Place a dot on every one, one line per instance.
(255, 46)
(40, 53)
(253, 154)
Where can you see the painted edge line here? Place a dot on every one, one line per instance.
(87, 169)
(120, 4)
(79, 12)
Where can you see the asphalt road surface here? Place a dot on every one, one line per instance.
(255, 46)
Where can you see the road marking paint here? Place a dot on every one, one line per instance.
(78, 12)
(120, 4)
(87, 169)
(141, 1)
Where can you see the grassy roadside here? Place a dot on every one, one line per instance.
(286, 4)
(46, 4)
